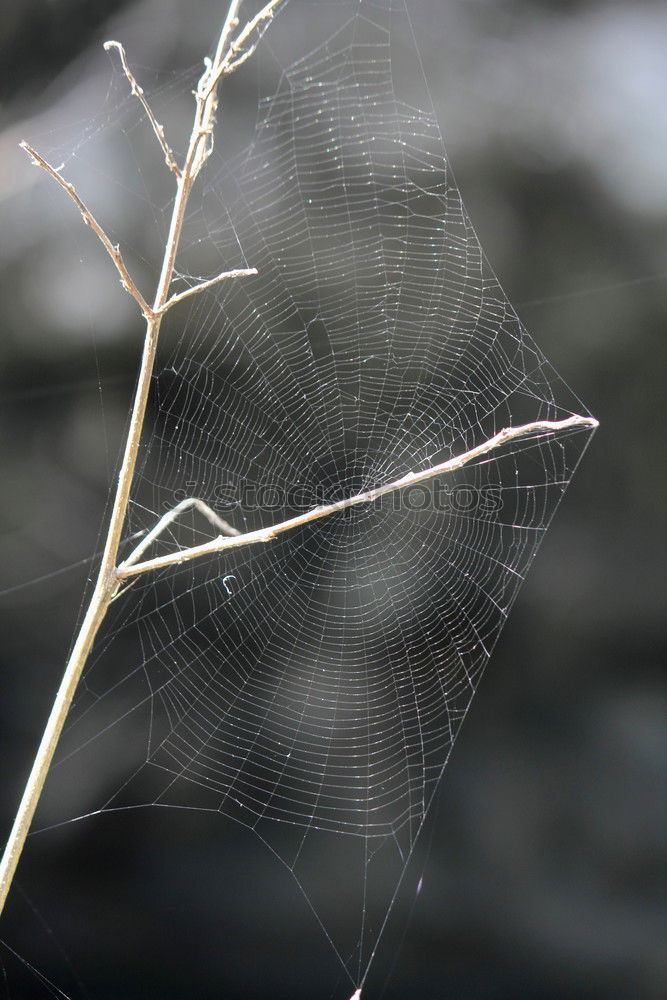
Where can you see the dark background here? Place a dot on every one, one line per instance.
(541, 878)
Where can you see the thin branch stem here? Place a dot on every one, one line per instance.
(201, 142)
(133, 568)
(235, 55)
(228, 29)
(108, 583)
(223, 527)
(111, 248)
(240, 272)
(138, 92)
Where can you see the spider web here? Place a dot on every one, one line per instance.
(312, 688)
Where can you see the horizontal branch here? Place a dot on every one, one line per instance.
(220, 543)
(111, 248)
(240, 272)
(138, 92)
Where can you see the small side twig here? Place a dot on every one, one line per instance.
(138, 92)
(241, 272)
(223, 527)
(112, 249)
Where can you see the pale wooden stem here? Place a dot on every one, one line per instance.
(236, 56)
(133, 568)
(108, 582)
(112, 249)
(138, 92)
(206, 95)
(240, 272)
(172, 515)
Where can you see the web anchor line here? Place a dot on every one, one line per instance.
(231, 538)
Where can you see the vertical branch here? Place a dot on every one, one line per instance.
(108, 583)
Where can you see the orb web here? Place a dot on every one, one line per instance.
(312, 688)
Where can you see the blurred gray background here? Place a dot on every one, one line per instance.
(542, 865)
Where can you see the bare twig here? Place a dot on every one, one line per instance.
(131, 567)
(241, 272)
(250, 37)
(108, 583)
(112, 249)
(207, 98)
(223, 527)
(236, 54)
(158, 129)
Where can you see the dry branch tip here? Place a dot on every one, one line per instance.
(89, 219)
(239, 51)
(138, 92)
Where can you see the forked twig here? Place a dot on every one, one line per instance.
(108, 584)
(138, 92)
(240, 272)
(114, 252)
(112, 249)
(131, 567)
(236, 56)
(223, 527)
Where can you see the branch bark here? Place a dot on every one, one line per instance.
(108, 582)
